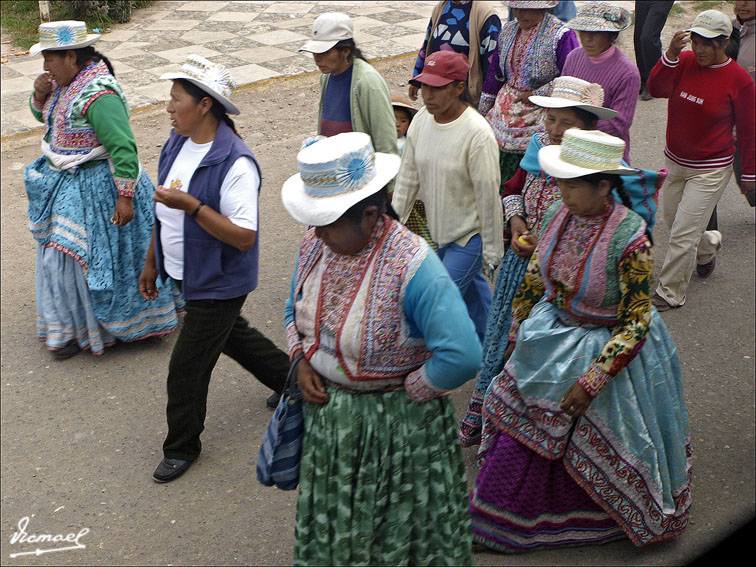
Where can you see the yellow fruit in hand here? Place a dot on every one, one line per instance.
(522, 240)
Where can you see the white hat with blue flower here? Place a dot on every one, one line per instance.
(63, 35)
(334, 174)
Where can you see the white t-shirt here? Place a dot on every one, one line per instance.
(238, 201)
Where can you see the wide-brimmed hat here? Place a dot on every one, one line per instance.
(403, 102)
(600, 17)
(334, 174)
(711, 23)
(66, 34)
(213, 78)
(571, 92)
(329, 29)
(443, 67)
(583, 152)
(532, 5)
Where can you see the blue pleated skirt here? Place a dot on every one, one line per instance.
(87, 269)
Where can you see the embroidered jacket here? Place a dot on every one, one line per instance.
(596, 271)
(89, 120)
(388, 315)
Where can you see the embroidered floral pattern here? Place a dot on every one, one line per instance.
(125, 186)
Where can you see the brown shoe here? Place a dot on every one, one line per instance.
(705, 270)
(660, 303)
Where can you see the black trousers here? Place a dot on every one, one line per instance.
(650, 17)
(212, 327)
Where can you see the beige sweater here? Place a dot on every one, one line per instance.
(454, 169)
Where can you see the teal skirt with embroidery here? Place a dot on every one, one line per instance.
(382, 482)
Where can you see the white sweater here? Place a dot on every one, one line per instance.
(454, 169)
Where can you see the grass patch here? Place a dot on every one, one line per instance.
(706, 5)
(676, 10)
(20, 18)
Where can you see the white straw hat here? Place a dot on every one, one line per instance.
(584, 152)
(571, 92)
(329, 29)
(213, 78)
(334, 174)
(63, 35)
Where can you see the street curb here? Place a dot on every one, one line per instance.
(255, 84)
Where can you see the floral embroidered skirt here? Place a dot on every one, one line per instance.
(629, 453)
(382, 482)
(87, 270)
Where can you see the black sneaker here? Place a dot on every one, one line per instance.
(272, 401)
(645, 95)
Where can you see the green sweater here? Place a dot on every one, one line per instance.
(370, 104)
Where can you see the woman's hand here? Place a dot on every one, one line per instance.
(677, 44)
(523, 96)
(310, 383)
(520, 229)
(412, 92)
(42, 87)
(575, 401)
(175, 199)
(148, 280)
(124, 211)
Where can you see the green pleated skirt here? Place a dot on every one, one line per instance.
(382, 482)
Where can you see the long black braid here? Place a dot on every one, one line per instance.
(616, 184)
(89, 53)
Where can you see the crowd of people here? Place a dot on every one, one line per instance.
(514, 172)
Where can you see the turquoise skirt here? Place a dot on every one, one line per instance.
(630, 451)
(382, 482)
(87, 279)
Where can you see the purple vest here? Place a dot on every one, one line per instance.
(212, 269)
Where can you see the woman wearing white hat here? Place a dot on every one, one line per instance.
(90, 204)
(205, 240)
(353, 95)
(585, 434)
(384, 335)
(709, 96)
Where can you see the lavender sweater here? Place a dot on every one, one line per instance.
(620, 79)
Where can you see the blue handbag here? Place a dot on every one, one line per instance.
(281, 449)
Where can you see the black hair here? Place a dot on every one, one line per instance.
(715, 42)
(615, 182)
(354, 51)
(217, 109)
(86, 54)
(379, 199)
(586, 117)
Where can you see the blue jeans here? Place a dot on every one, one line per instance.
(464, 264)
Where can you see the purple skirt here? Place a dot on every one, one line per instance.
(523, 501)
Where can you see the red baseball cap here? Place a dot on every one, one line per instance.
(443, 67)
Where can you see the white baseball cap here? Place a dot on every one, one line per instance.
(711, 23)
(329, 29)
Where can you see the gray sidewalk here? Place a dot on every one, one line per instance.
(255, 40)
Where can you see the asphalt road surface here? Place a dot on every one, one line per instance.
(80, 438)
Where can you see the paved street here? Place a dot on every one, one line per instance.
(80, 438)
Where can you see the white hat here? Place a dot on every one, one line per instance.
(334, 174)
(329, 29)
(63, 35)
(584, 152)
(711, 23)
(213, 78)
(571, 92)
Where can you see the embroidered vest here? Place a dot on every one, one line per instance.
(386, 350)
(540, 59)
(66, 108)
(596, 296)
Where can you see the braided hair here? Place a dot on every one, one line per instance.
(615, 182)
(89, 53)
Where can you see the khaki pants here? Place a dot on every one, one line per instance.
(688, 199)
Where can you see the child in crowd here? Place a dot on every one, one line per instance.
(403, 112)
